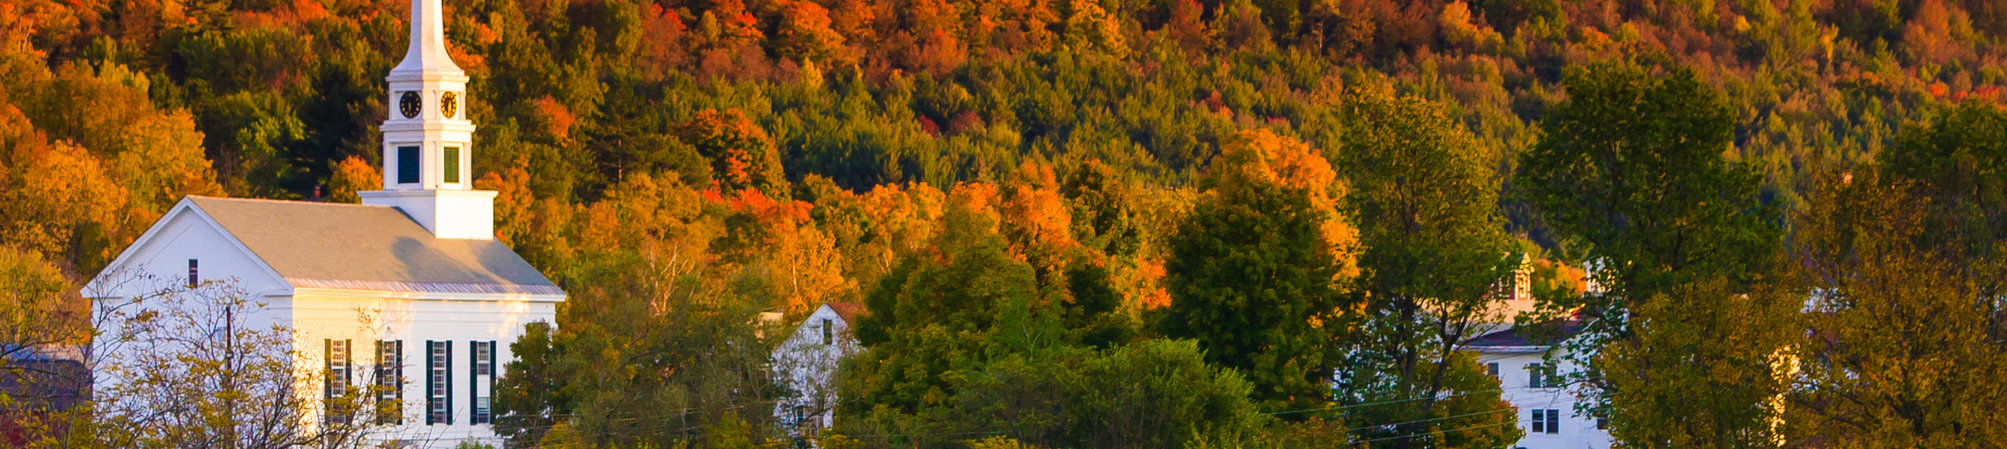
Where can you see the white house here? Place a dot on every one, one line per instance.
(807, 363)
(1519, 359)
(1530, 382)
(409, 290)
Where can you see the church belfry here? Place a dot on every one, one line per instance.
(428, 141)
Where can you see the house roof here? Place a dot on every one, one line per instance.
(1527, 336)
(368, 247)
(43, 375)
(849, 310)
(57, 384)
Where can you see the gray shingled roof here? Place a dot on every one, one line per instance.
(323, 245)
(1542, 334)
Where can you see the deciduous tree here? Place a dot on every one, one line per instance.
(1431, 247)
(1633, 165)
(1253, 275)
(1898, 349)
(742, 155)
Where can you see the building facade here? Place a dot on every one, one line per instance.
(1529, 376)
(1532, 382)
(807, 361)
(407, 294)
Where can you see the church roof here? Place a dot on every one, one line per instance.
(354, 246)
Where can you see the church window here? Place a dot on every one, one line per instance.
(389, 382)
(484, 380)
(452, 165)
(193, 278)
(336, 383)
(407, 165)
(439, 382)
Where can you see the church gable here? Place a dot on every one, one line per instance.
(182, 243)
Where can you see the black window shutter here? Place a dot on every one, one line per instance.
(449, 381)
(327, 371)
(494, 372)
(473, 381)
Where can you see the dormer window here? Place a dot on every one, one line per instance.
(407, 165)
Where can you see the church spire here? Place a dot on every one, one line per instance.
(427, 52)
(427, 139)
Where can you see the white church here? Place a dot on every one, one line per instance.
(409, 290)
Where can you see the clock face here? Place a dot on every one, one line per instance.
(448, 104)
(409, 104)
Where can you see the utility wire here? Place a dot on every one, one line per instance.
(1459, 429)
(1369, 404)
(1419, 421)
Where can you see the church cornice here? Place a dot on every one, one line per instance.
(426, 291)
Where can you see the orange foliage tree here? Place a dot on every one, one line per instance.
(1256, 159)
(742, 155)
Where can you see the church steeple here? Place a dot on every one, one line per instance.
(428, 141)
(427, 52)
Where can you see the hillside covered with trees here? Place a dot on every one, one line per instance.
(1116, 223)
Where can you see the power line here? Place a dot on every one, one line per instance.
(1419, 421)
(1434, 433)
(1369, 404)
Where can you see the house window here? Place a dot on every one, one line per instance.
(1492, 369)
(390, 382)
(194, 278)
(438, 382)
(452, 165)
(1547, 421)
(407, 165)
(484, 380)
(1602, 423)
(336, 385)
(1541, 375)
(828, 331)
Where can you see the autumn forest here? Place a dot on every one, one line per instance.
(1112, 223)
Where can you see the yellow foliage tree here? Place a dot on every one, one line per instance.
(59, 202)
(159, 159)
(784, 245)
